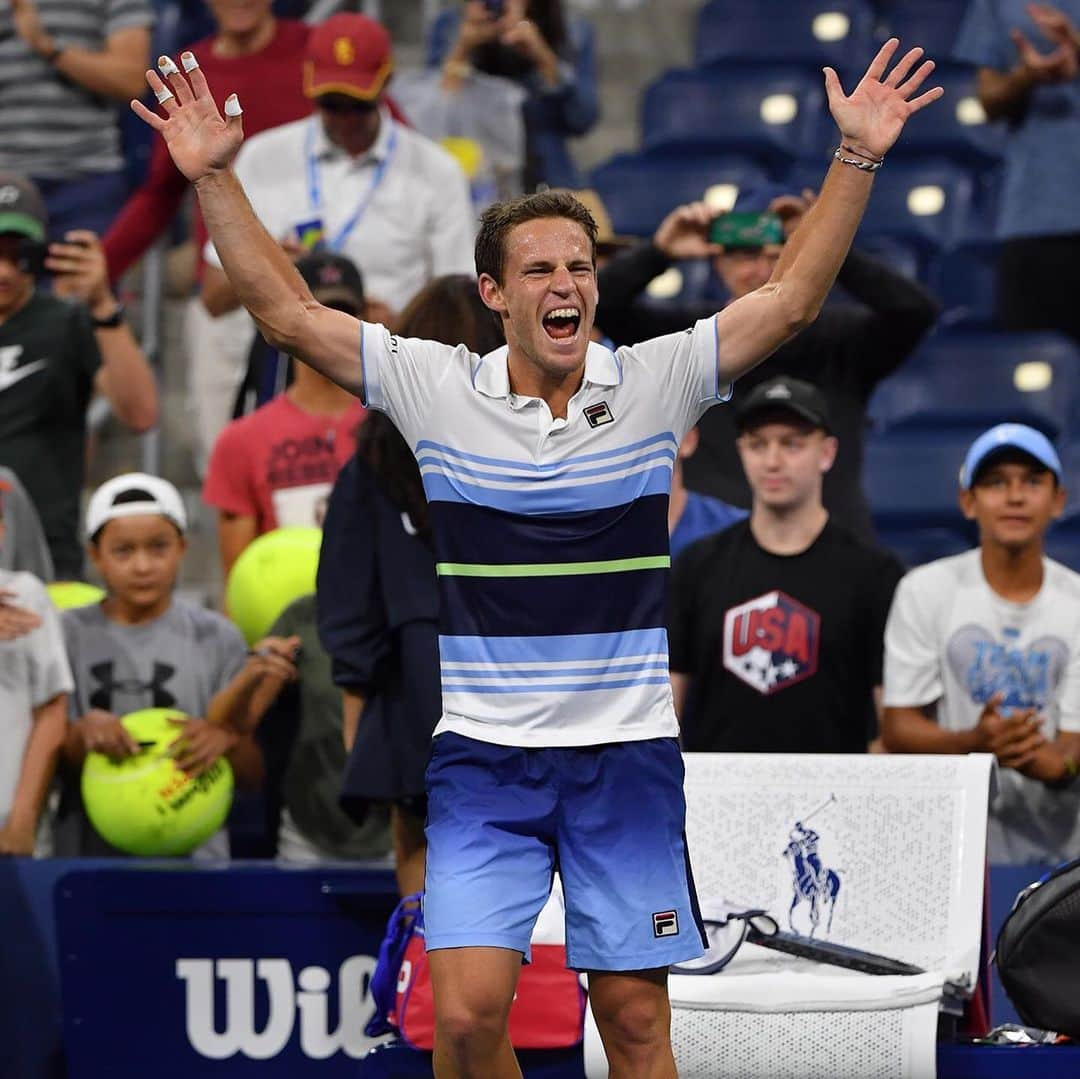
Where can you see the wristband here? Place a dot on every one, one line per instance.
(110, 322)
(863, 166)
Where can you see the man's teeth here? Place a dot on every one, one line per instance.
(563, 312)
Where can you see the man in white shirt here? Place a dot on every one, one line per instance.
(547, 465)
(982, 650)
(350, 180)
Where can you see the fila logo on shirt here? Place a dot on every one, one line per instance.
(771, 642)
(665, 923)
(599, 414)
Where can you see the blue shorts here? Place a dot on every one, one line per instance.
(609, 818)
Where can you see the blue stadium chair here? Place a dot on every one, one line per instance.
(911, 480)
(639, 190)
(916, 545)
(1063, 545)
(972, 380)
(956, 126)
(926, 204)
(964, 280)
(933, 24)
(813, 32)
(769, 113)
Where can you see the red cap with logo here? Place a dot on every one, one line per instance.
(348, 54)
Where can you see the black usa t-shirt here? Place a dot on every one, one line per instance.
(784, 650)
(48, 359)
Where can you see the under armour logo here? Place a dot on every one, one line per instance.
(108, 688)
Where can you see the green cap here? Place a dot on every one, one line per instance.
(22, 209)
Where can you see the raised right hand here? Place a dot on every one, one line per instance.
(200, 141)
(102, 732)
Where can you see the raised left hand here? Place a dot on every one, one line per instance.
(199, 744)
(872, 117)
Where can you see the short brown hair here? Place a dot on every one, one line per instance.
(498, 220)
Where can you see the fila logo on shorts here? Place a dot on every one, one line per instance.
(665, 923)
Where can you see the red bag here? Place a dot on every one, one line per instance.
(549, 1006)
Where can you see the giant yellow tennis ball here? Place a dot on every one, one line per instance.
(271, 572)
(68, 594)
(144, 804)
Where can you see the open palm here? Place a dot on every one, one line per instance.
(199, 139)
(874, 114)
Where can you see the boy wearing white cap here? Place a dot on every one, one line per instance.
(142, 647)
(982, 650)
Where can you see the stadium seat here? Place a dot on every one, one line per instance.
(917, 545)
(813, 32)
(972, 380)
(911, 481)
(925, 204)
(770, 114)
(964, 281)
(956, 127)
(639, 190)
(933, 24)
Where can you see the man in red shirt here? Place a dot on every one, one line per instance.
(276, 466)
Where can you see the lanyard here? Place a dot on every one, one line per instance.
(337, 241)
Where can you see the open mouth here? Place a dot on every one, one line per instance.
(562, 323)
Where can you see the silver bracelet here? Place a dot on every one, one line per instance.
(865, 166)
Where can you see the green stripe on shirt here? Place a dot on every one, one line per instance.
(551, 569)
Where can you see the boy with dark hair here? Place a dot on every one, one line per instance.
(982, 650)
(141, 647)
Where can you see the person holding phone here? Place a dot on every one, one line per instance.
(543, 49)
(847, 351)
(57, 349)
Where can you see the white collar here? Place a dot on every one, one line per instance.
(491, 375)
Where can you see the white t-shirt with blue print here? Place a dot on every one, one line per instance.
(951, 641)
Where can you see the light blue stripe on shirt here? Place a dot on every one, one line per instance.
(556, 687)
(567, 648)
(455, 468)
(585, 673)
(499, 462)
(543, 498)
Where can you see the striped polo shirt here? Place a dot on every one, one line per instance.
(550, 534)
(50, 127)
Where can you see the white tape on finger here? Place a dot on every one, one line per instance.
(163, 95)
(232, 106)
(167, 67)
(189, 61)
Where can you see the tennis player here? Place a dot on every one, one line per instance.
(547, 465)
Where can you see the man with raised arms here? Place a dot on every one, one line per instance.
(547, 465)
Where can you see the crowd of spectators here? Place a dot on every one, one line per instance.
(791, 628)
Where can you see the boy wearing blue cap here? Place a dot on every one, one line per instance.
(982, 650)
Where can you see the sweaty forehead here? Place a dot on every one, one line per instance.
(551, 239)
